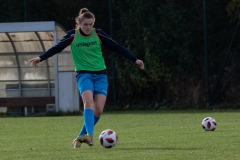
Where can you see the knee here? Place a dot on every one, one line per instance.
(98, 112)
(88, 103)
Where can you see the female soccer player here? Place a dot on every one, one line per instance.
(86, 45)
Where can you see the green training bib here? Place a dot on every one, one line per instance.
(87, 52)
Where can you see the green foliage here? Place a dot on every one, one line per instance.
(60, 11)
(159, 37)
(168, 36)
(233, 9)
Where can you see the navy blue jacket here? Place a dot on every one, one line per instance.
(107, 42)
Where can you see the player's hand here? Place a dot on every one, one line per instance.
(140, 63)
(35, 61)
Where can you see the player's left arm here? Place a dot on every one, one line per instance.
(109, 43)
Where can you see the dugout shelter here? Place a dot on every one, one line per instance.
(54, 77)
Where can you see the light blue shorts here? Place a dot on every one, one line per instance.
(97, 83)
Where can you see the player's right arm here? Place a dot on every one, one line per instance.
(63, 43)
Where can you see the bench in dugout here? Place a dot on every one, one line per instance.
(25, 102)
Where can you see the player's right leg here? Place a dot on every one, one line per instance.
(99, 88)
(83, 137)
(85, 86)
(83, 131)
(88, 117)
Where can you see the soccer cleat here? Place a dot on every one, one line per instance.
(76, 143)
(86, 138)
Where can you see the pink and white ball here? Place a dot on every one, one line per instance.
(108, 138)
(209, 124)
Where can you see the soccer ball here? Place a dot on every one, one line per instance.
(108, 138)
(209, 124)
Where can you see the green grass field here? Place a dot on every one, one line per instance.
(153, 135)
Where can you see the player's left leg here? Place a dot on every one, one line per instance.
(100, 94)
(99, 101)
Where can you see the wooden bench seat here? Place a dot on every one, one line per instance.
(26, 102)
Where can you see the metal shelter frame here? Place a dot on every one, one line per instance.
(21, 27)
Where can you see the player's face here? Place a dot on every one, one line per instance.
(87, 25)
